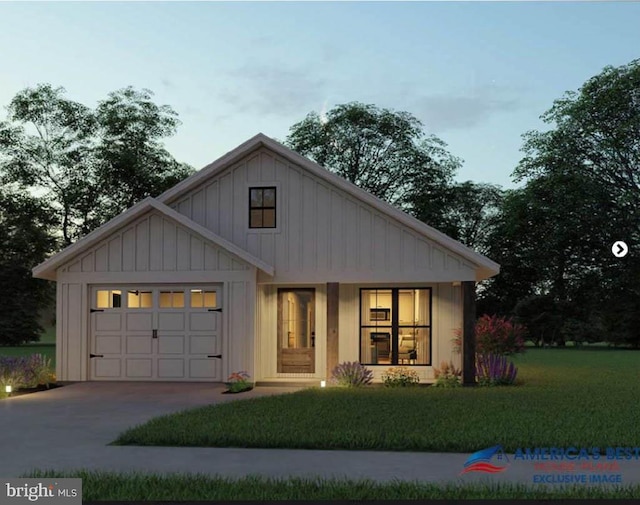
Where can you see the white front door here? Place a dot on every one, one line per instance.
(161, 333)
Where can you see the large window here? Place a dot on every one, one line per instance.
(395, 326)
(262, 207)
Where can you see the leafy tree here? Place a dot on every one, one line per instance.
(384, 152)
(132, 161)
(581, 195)
(599, 127)
(46, 145)
(471, 211)
(25, 241)
(549, 242)
(90, 164)
(541, 316)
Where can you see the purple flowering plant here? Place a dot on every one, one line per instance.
(495, 370)
(351, 374)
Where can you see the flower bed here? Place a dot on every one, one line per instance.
(21, 374)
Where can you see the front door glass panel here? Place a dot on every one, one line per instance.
(296, 331)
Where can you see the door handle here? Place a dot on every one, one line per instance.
(154, 334)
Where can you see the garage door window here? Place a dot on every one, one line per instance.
(108, 299)
(204, 299)
(139, 299)
(172, 299)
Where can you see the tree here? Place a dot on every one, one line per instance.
(384, 152)
(25, 241)
(46, 145)
(548, 239)
(581, 194)
(470, 211)
(598, 130)
(89, 164)
(132, 161)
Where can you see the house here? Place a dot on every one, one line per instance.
(266, 262)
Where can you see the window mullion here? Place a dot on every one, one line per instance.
(395, 305)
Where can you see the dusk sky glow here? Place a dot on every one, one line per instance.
(478, 74)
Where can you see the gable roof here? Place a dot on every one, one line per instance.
(485, 267)
(47, 269)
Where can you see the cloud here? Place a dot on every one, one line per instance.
(274, 89)
(459, 111)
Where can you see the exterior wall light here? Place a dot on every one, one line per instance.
(323, 384)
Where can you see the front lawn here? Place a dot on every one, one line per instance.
(48, 350)
(568, 397)
(45, 346)
(140, 487)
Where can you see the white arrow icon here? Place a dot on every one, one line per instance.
(620, 249)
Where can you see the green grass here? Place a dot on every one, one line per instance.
(99, 486)
(46, 346)
(49, 350)
(48, 336)
(567, 397)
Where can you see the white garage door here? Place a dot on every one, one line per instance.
(156, 333)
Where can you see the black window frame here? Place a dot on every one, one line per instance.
(394, 326)
(263, 208)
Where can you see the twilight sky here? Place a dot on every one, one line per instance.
(477, 74)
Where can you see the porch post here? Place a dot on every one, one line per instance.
(333, 301)
(468, 333)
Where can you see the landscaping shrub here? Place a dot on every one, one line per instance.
(447, 376)
(351, 374)
(495, 370)
(25, 371)
(238, 382)
(499, 335)
(40, 370)
(400, 376)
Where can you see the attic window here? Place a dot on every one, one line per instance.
(262, 207)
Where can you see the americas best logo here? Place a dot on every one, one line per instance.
(34, 493)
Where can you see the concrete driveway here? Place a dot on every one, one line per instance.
(70, 427)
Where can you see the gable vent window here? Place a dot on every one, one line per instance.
(262, 207)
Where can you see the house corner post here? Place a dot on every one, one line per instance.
(468, 333)
(333, 307)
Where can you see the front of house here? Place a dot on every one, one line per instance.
(266, 262)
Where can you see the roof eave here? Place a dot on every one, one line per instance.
(48, 268)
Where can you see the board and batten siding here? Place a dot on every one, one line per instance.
(154, 243)
(152, 249)
(323, 233)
